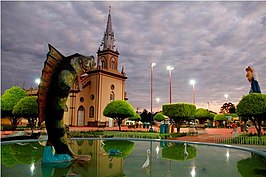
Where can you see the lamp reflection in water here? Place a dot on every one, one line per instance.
(170, 169)
(157, 152)
(32, 168)
(193, 171)
(227, 155)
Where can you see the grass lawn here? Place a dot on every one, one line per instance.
(123, 134)
(118, 148)
(252, 167)
(150, 135)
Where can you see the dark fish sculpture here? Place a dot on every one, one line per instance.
(58, 76)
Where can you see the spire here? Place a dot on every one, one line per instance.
(109, 23)
(109, 38)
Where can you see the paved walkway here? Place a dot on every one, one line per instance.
(210, 135)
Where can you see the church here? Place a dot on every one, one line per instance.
(101, 85)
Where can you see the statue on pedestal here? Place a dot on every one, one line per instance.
(58, 76)
(255, 87)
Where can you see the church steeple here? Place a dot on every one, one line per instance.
(108, 42)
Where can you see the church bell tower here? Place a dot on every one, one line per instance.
(107, 53)
(101, 85)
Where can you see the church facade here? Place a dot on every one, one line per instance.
(101, 85)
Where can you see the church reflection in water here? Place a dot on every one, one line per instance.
(108, 157)
(101, 163)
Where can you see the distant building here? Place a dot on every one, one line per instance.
(101, 85)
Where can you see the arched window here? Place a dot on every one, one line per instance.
(104, 64)
(81, 108)
(113, 63)
(91, 113)
(112, 96)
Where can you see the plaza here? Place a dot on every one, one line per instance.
(169, 89)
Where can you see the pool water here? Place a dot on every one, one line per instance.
(135, 158)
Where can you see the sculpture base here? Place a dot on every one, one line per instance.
(49, 156)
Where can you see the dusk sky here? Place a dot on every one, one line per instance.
(210, 42)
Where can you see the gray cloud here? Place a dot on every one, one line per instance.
(211, 42)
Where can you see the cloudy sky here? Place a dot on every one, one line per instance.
(210, 42)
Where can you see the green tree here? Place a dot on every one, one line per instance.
(27, 107)
(202, 115)
(233, 115)
(159, 117)
(145, 116)
(135, 117)
(253, 107)
(228, 108)
(219, 118)
(8, 100)
(121, 148)
(211, 118)
(119, 110)
(212, 115)
(179, 112)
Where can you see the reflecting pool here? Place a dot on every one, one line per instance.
(135, 157)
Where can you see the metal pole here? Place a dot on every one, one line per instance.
(193, 93)
(151, 94)
(193, 97)
(170, 68)
(193, 90)
(170, 77)
(152, 65)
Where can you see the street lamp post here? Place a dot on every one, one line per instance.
(152, 65)
(170, 68)
(193, 82)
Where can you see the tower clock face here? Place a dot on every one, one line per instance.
(112, 86)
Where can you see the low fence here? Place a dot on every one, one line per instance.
(241, 140)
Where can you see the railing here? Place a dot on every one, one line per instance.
(252, 150)
(241, 140)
